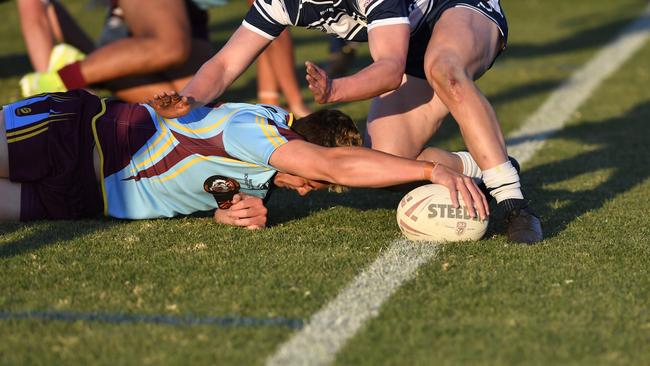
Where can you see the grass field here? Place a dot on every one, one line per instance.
(188, 291)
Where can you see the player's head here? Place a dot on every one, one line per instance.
(329, 128)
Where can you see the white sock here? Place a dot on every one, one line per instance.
(470, 168)
(503, 182)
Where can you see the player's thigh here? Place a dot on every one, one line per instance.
(4, 151)
(466, 38)
(138, 90)
(180, 75)
(166, 20)
(10, 202)
(402, 121)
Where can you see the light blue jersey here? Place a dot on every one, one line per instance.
(155, 167)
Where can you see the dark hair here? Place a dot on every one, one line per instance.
(329, 128)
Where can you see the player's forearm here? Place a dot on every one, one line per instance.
(361, 167)
(208, 83)
(223, 68)
(378, 78)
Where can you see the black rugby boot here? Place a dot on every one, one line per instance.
(523, 226)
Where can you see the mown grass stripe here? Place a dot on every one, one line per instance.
(329, 329)
(159, 319)
(554, 113)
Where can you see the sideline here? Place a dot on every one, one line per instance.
(331, 327)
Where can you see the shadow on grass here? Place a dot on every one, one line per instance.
(45, 233)
(594, 37)
(285, 205)
(621, 145)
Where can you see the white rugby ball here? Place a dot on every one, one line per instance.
(427, 214)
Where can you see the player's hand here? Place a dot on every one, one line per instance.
(247, 211)
(319, 83)
(170, 104)
(456, 182)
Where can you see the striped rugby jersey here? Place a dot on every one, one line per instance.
(155, 167)
(347, 19)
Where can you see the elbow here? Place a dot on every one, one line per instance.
(329, 167)
(395, 81)
(394, 78)
(167, 52)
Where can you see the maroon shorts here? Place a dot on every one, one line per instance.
(50, 142)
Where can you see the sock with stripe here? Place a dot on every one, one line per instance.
(470, 168)
(502, 182)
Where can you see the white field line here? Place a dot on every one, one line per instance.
(554, 113)
(331, 327)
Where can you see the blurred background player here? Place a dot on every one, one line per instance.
(63, 156)
(341, 56)
(146, 47)
(275, 73)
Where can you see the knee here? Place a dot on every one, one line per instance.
(446, 73)
(169, 54)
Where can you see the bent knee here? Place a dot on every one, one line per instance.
(169, 55)
(445, 69)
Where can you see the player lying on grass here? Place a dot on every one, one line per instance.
(73, 155)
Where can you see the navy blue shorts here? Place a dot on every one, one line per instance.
(50, 145)
(420, 38)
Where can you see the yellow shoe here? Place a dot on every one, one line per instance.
(41, 82)
(63, 54)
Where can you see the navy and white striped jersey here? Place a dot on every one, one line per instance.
(347, 19)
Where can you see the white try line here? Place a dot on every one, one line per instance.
(331, 327)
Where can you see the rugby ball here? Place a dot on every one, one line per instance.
(427, 214)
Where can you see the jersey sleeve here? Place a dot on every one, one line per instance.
(252, 138)
(386, 12)
(268, 18)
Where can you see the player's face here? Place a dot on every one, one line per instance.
(299, 184)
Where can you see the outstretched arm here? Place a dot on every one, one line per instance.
(363, 167)
(388, 47)
(218, 72)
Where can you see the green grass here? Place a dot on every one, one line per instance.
(581, 297)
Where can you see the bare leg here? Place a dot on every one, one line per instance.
(10, 192)
(200, 53)
(161, 39)
(401, 122)
(267, 86)
(66, 29)
(462, 47)
(282, 61)
(37, 32)
(10, 203)
(44, 25)
(4, 153)
(137, 89)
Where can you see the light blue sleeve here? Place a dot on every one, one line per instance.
(251, 138)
